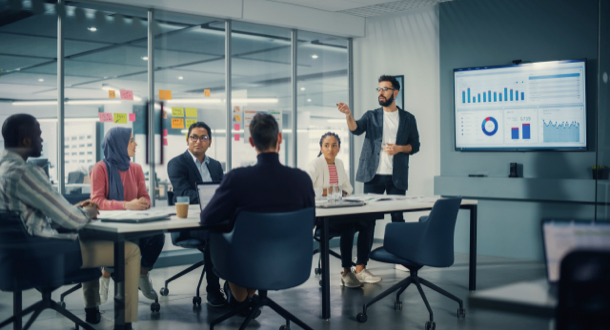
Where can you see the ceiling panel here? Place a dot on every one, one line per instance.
(41, 46)
(10, 63)
(197, 40)
(89, 71)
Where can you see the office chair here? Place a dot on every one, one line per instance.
(584, 291)
(265, 251)
(45, 264)
(318, 237)
(428, 242)
(182, 239)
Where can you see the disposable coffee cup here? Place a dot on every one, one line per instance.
(182, 206)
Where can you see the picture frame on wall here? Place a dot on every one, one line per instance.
(400, 99)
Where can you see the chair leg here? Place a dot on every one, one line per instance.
(37, 312)
(17, 317)
(404, 283)
(186, 271)
(423, 296)
(78, 322)
(200, 279)
(441, 291)
(229, 315)
(286, 315)
(72, 289)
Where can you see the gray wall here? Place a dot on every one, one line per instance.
(492, 32)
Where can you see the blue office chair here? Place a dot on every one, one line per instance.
(182, 239)
(428, 242)
(45, 264)
(584, 291)
(265, 251)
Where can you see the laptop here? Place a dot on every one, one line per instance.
(561, 237)
(206, 190)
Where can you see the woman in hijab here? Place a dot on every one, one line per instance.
(118, 184)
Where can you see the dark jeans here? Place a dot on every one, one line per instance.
(366, 227)
(212, 279)
(383, 183)
(150, 249)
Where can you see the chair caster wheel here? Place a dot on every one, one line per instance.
(461, 313)
(155, 307)
(317, 271)
(164, 291)
(398, 305)
(284, 327)
(430, 325)
(320, 283)
(196, 301)
(361, 317)
(62, 304)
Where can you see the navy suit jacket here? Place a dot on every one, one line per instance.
(265, 187)
(184, 175)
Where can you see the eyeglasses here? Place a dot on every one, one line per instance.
(384, 89)
(196, 138)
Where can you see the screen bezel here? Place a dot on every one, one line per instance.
(520, 149)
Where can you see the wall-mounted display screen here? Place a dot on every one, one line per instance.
(530, 106)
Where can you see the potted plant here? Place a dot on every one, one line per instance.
(599, 172)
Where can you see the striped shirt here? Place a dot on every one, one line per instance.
(26, 189)
(332, 169)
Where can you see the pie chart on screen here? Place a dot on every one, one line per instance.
(490, 126)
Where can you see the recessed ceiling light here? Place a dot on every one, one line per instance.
(308, 100)
(41, 80)
(92, 28)
(314, 56)
(145, 58)
(181, 77)
(302, 88)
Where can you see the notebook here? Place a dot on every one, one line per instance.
(134, 216)
(206, 190)
(342, 203)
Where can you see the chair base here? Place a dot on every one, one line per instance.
(196, 299)
(37, 308)
(402, 286)
(318, 271)
(257, 303)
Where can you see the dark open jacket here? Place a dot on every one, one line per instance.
(184, 175)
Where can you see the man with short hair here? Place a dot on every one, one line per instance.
(184, 172)
(267, 186)
(25, 188)
(391, 136)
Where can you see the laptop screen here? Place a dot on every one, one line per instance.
(562, 237)
(206, 190)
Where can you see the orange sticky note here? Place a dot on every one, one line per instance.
(236, 137)
(165, 94)
(177, 123)
(206, 92)
(111, 94)
(237, 117)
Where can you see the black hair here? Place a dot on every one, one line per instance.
(16, 128)
(329, 134)
(391, 79)
(200, 124)
(264, 131)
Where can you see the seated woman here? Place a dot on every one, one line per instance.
(326, 171)
(118, 184)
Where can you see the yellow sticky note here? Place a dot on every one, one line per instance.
(237, 117)
(206, 92)
(111, 94)
(191, 112)
(177, 123)
(165, 94)
(177, 112)
(120, 118)
(190, 122)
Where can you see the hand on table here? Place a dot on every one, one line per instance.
(137, 204)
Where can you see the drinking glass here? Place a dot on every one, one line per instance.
(338, 194)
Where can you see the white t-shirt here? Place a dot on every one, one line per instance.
(390, 129)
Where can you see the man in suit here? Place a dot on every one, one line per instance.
(185, 171)
(267, 186)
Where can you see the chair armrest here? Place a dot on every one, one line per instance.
(403, 239)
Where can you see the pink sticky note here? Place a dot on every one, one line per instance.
(105, 117)
(165, 132)
(132, 117)
(165, 141)
(236, 127)
(126, 95)
(236, 137)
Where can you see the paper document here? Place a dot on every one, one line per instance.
(134, 215)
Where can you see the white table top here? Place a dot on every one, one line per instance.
(193, 216)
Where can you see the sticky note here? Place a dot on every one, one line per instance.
(236, 127)
(191, 112)
(165, 94)
(177, 123)
(120, 118)
(237, 108)
(165, 132)
(165, 142)
(206, 92)
(190, 122)
(236, 137)
(126, 95)
(111, 95)
(132, 117)
(177, 112)
(164, 114)
(105, 117)
(237, 117)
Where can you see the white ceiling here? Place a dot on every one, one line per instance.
(363, 8)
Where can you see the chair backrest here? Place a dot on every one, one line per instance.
(75, 198)
(266, 251)
(433, 245)
(170, 198)
(584, 291)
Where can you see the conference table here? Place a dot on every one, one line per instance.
(121, 232)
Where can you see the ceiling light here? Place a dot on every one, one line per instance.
(302, 88)
(53, 120)
(308, 100)
(84, 102)
(41, 80)
(92, 29)
(34, 103)
(261, 100)
(145, 58)
(314, 56)
(181, 77)
(208, 100)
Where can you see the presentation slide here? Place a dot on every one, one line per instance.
(527, 106)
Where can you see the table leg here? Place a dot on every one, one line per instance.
(472, 268)
(324, 252)
(119, 285)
